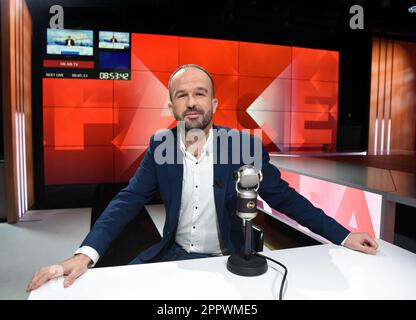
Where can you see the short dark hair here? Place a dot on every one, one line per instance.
(186, 66)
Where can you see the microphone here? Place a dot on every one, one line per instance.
(247, 182)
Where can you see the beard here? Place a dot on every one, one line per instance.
(195, 123)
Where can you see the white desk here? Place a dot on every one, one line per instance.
(317, 272)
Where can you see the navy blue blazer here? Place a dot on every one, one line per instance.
(167, 178)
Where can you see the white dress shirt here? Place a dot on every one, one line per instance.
(198, 224)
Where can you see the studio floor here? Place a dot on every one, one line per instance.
(42, 238)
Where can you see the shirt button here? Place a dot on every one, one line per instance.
(196, 162)
(193, 227)
(196, 186)
(196, 207)
(192, 244)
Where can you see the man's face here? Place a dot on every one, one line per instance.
(192, 99)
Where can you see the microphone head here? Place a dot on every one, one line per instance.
(248, 176)
(247, 181)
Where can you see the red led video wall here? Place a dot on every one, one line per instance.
(96, 131)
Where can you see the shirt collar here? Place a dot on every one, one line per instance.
(206, 148)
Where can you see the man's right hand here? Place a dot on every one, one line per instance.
(71, 269)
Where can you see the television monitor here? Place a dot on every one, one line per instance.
(114, 40)
(70, 42)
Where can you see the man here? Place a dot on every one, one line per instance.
(198, 191)
(69, 42)
(113, 39)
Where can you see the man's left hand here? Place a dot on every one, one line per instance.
(361, 241)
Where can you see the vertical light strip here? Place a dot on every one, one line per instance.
(22, 133)
(20, 110)
(17, 107)
(375, 137)
(19, 194)
(391, 97)
(22, 161)
(23, 126)
(384, 97)
(382, 136)
(388, 136)
(377, 101)
(22, 191)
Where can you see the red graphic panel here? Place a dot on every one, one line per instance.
(154, 52)
(145, 90)
(264, 60)
(275, 127)
(315, 64)
(356, 210)
(126, 161)
(134, 127)
(226, 91)
(226, 118)
(78, 165)
(250, 89)
(217, 56)
(78, 126)
(290, 94)
(86, 93)
(313, 128)
(314, 96)
(265, 94)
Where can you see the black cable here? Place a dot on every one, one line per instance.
(280, 264)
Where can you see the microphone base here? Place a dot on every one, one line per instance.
(253, 266)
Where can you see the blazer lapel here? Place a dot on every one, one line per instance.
(221, 169)
(175, 176)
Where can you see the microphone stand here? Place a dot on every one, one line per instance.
(248, 238)
(247, 264)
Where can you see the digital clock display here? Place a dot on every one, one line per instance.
(114, 75)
